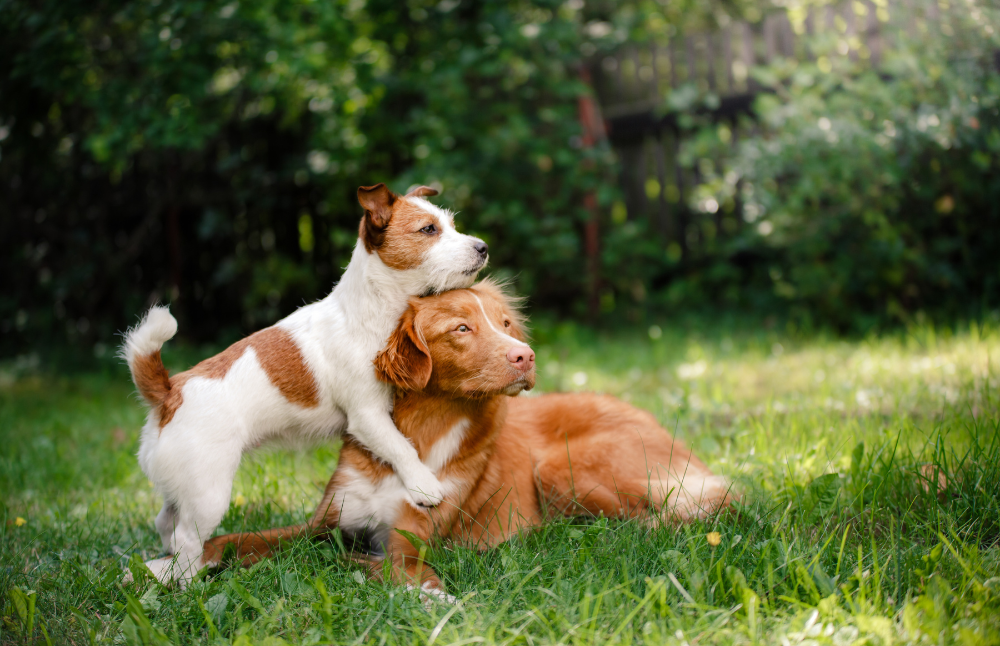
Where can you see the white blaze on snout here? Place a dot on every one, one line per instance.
(503, 335)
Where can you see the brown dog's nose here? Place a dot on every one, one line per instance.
(522, 357)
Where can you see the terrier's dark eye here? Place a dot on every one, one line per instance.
(463, 328)
(506, 323)
(430, 229)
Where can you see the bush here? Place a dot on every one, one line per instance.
(207, 153)
(873, 196)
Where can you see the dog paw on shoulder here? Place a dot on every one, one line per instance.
(426, 491)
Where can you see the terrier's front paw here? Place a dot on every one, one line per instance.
(425, 490)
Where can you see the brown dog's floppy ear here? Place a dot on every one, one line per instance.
(422, 191)
(405, 362)
(377, 202)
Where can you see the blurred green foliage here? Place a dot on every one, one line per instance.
(206, 154)
(869, 196)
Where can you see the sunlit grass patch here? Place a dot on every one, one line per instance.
(869, 473)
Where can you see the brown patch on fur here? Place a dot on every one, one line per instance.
(377, 202)
(404, 244)
(151, 378)
(282, 361)
(278, 355)
(422, 191)
(252, 547)
(405, 362)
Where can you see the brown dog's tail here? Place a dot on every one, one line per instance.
(141, 350)
(253, 546)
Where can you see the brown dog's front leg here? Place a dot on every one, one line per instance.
(408, 560)
(409, 565)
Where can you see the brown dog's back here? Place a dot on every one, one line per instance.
(581, 454)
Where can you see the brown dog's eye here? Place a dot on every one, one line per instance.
(463, 328)
(430, 229)
(506, 323)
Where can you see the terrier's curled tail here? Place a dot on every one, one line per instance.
(141, 350)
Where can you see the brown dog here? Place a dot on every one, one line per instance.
(506, 462)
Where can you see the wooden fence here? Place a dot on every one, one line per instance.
(634, 84)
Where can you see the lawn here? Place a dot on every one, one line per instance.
(870, 472)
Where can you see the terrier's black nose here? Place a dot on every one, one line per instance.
(481, 247)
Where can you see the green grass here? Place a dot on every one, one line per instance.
(842, 536)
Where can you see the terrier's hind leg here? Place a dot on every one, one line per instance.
(166, 520)
(200, 501)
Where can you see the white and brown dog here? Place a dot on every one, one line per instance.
(308, 377)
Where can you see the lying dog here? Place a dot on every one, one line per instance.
(308, 377)
(505, 462)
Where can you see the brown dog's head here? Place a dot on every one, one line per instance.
(468, 343)
(419, 240)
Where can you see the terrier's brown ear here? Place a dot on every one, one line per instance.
(422, 191)
(377, 202)
(405, 362)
